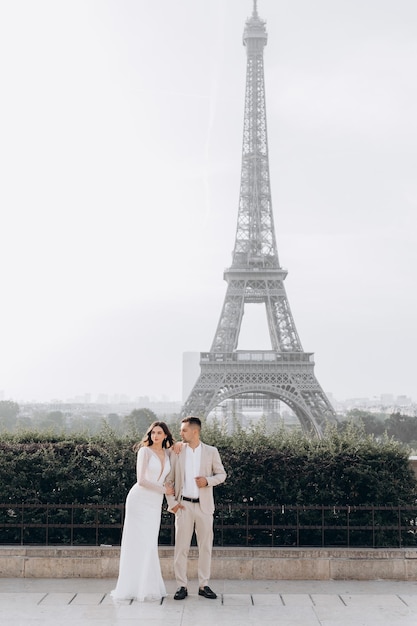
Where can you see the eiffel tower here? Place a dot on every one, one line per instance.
(286, 372)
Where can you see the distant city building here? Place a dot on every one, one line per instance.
(385, 404)
(83, 399)
(387, 398)
(404, 401)
(190, 372)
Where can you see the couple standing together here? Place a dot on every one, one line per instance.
(186, 474)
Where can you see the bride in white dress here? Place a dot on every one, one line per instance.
(139, 569)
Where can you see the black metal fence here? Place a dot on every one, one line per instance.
(234, 525)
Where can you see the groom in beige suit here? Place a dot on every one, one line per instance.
(194, 472)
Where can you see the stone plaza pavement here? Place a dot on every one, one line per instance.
(61, 602)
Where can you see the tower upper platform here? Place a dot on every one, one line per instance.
(255, 31)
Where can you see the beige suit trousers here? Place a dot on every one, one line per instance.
(186, 519)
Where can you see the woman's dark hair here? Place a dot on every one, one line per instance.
(147, 440)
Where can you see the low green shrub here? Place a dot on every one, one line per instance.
(342, 468)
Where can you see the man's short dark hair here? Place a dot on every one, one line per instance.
(192, 420)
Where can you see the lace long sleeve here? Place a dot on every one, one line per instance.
(142, 463)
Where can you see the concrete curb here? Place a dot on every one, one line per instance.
(228, 563)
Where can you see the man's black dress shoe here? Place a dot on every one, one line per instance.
(207, 593)
(181, 593)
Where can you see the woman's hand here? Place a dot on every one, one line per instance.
(177, 447)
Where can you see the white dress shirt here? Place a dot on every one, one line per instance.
(192, 470)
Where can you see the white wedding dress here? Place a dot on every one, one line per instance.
(139, 569)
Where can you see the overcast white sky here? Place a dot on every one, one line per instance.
(120, 146)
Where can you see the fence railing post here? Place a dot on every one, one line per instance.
(235, 524)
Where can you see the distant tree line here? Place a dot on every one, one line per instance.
(59, 422)
(401, 427)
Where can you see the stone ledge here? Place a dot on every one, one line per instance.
(228, 563)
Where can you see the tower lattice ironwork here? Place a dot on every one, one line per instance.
(286, 372)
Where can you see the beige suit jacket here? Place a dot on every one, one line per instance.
(211, 467)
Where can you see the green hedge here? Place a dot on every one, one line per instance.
(348, 468)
